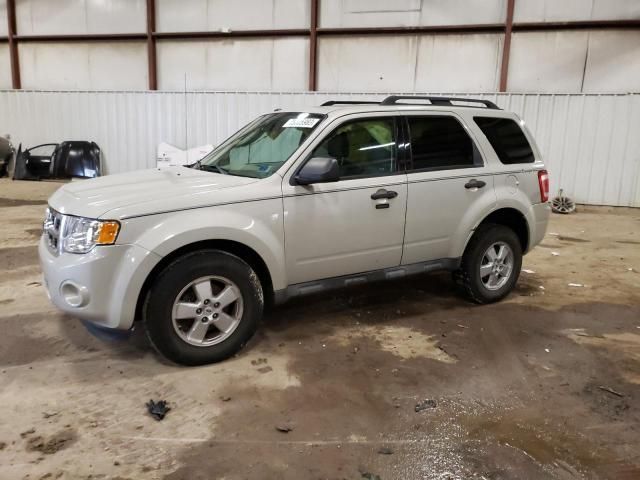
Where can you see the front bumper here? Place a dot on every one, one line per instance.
(101, 286)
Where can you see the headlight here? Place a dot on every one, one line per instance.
(80, 235)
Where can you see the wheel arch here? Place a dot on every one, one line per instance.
(242, 251)
(511, 218)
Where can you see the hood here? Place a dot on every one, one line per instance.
(151, 191)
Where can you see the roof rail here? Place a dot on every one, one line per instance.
(348, 102)
(438, 101)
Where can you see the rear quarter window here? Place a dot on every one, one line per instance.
(507, 139)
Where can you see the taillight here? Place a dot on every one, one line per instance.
(543, 181)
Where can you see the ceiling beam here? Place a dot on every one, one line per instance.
(81, 37)
(425, 29)
(290, 32)
(579, 25)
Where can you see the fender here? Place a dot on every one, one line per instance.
(510, 204)
(521, 202)
(258, 225)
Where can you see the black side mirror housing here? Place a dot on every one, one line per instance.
(318, 170)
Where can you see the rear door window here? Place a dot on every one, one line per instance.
(440, 142)
(507, 139)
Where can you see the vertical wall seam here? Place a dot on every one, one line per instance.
(506, 49)
(586, 59)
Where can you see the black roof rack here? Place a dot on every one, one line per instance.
(393, 100)
(348, 102)
(438, 101)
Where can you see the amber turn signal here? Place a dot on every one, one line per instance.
(108, 233)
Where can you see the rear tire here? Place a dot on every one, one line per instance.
(203, 307)
(484, 276)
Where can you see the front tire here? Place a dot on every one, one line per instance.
(490, 265)
(203, 307)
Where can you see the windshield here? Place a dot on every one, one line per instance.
(260, 148)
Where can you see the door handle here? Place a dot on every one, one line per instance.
(383, 193)
(474, 184)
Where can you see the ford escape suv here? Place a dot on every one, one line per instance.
(297, 203)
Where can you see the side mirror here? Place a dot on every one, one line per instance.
(318, 170)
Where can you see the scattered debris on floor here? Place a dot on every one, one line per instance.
(259, 361)
(525, 270)
(555, 254)
(583, 334)
(26, 433)
(225, 398)
(284, 427)
(426, 404)
(49, 415)
(385, 451)
(158, 409)
(369, 475)
(51, 445)
(576, 285)
(3, 445)
(611, 391)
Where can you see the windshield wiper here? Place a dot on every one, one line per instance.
(211, 168)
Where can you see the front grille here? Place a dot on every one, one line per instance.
(52, 228)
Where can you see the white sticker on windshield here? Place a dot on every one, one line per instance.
(301, 122)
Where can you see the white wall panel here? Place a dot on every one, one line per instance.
(367, 63)
(4, 26)
(42, 17)
(234, 64)
(458, 63)
(589, 142)
(547, 61)
(444, 62)
(613, 63)
(5, 67)
(213, 15)
(118, 65)
(574, 10)
(385, 13)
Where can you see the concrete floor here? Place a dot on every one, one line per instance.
(543, 385)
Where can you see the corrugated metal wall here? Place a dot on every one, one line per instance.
(591, 143)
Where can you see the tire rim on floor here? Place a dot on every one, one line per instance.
(496, 266)
(207, 311)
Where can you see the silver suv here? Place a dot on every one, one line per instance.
(297, 203)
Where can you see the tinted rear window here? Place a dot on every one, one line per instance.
(440, 143)
(507, 139)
